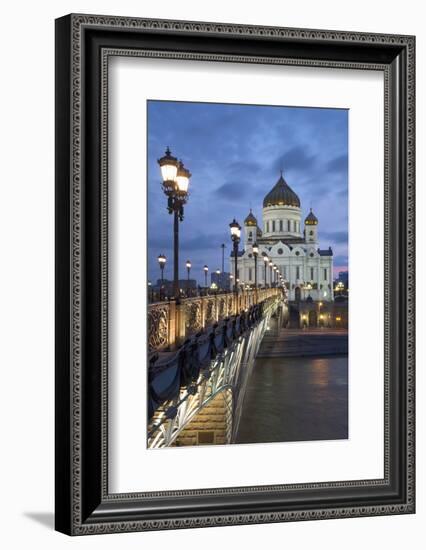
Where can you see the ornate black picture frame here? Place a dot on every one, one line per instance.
(83, 46)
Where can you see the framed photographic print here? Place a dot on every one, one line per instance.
(234, 274)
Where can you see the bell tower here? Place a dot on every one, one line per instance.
(250, 229)
(311, 228)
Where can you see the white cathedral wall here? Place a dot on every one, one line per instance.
(288, 266)
(276, 214)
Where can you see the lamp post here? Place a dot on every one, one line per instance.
(217, 279)
(206, 270)
(266, 261)
(188, 269)
(218, 286)
(255, 254)
(175, 186)
(235, 237)
(270, 272)
(162, 263)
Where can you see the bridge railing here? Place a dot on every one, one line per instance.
(171, 323)
(180, 383)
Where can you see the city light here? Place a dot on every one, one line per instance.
(235, 237)
(175, 185)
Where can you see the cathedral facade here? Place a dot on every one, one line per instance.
(307, 270)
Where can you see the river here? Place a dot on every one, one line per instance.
(295, 399)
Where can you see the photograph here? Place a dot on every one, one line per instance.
(247, 273)
(234, 273)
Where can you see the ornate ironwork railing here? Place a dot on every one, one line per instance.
(170, 324)
(158, 325)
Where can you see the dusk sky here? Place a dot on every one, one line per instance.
(235, 153)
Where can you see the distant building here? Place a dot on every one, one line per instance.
(306, 268)
(167, 285)
(221, 280)
(321, 314)
(344, 278)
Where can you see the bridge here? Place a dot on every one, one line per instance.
(202, 351)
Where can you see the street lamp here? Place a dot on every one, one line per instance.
(217, 279)
(206, 270)
(175, 186)
(266, 261)
(162, 263)
(151, 291)
(188, 269)
(255, 249)
(235, 237)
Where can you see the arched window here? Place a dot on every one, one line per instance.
(267, 227)
(273, 226)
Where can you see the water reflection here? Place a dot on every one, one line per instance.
(296, 399)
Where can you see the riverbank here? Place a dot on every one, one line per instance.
(314, 342)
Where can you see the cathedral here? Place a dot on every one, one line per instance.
(306, 269)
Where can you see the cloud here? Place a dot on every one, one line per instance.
(340, 260)
(335, 236)
(244, 167)
(296, 158)
(338, 165)
(233, 190)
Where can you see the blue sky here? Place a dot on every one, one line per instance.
(235, 153)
